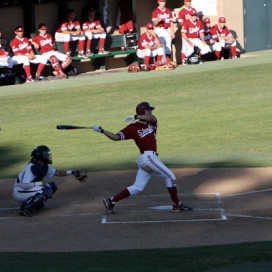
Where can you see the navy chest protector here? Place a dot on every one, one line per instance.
(38, 171)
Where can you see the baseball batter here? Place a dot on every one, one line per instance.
(46, 44)
(222, 34)
(70, 30)
(208, 34)
(192, 32)
(162, 18)
(93, 30)
(149, 45)
(29, 188)
(24, 54)
(143, 133)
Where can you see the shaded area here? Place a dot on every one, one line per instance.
(10, 156)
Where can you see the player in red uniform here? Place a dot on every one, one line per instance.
(184, 13)
(192, 32)
(143, 133)
(149, 45)
(24, 54)
(222, 34)
(93, 30)
(46, 44)
(162, 18)
(70, 30)
(208, 33)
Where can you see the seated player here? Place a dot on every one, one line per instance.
(149, 45)
(93, 30)
(5, 60)
(222, 34)
(46, 44)
(24, 54)
(29, 188)
(214, 46)
(192, 32)
(70, 30)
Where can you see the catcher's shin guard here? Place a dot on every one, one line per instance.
(66, 62)
(49, 189)
(56, 66)
(32, 204)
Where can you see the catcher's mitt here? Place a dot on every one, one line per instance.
(165, 67)
(80, 175)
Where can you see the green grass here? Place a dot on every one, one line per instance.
(195, 259)
(216, 114)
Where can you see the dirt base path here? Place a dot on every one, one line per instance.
(231, 205)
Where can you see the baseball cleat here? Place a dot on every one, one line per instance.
(103, 52)
(89, 54)
(26, 212)
(38, 78)
(109, 206)
(29, 80)
(181, 208)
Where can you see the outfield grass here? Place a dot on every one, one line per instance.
(216, 114)
(196, 259)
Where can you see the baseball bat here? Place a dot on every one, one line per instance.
(71, 127)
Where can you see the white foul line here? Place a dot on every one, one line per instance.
(249, 216)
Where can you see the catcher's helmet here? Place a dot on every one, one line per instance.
(42, 152)
(140, 109)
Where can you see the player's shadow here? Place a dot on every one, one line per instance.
(10, 156)
(238, 45)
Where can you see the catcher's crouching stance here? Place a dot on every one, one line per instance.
(29, 187)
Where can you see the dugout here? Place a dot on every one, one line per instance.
(251, 34)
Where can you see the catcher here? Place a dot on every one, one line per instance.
(29, 187)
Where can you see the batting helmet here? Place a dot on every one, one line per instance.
(42, 152)
(206, 20)
(222, 20)
(140, 109)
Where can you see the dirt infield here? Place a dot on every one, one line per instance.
(231, 205)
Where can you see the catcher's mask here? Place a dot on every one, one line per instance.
(194, 59)
(140, 109)
(42, 153)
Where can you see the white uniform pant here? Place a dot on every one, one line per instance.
(20, 194)
(26, 61)
(58, 55)
(150, 165)
(95, 35)
(215, 47)
(188, 50)
(141, 53)
(165, 39)
(60, 37)
(6, 61)
(223, 43)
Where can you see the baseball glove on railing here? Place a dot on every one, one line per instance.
(80, 175)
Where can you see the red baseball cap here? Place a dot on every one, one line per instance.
(161, 0)
(149, 26)
(206, 20)
(19, 29)
(42, 26)
(222, 20)
(193, 11)
(187, 0)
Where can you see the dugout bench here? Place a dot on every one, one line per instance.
(113, 43)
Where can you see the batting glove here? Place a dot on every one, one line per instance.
(97, 128)
(131, 118)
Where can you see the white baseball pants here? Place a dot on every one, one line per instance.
(188, 50)
(6, 61)
(20, 194)
(165, 39)
(60, 37)
(95, 35)
(25, 61)
(149, 53)
(223, 43)
(150, 165)
(215, 47)
(58, 55)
